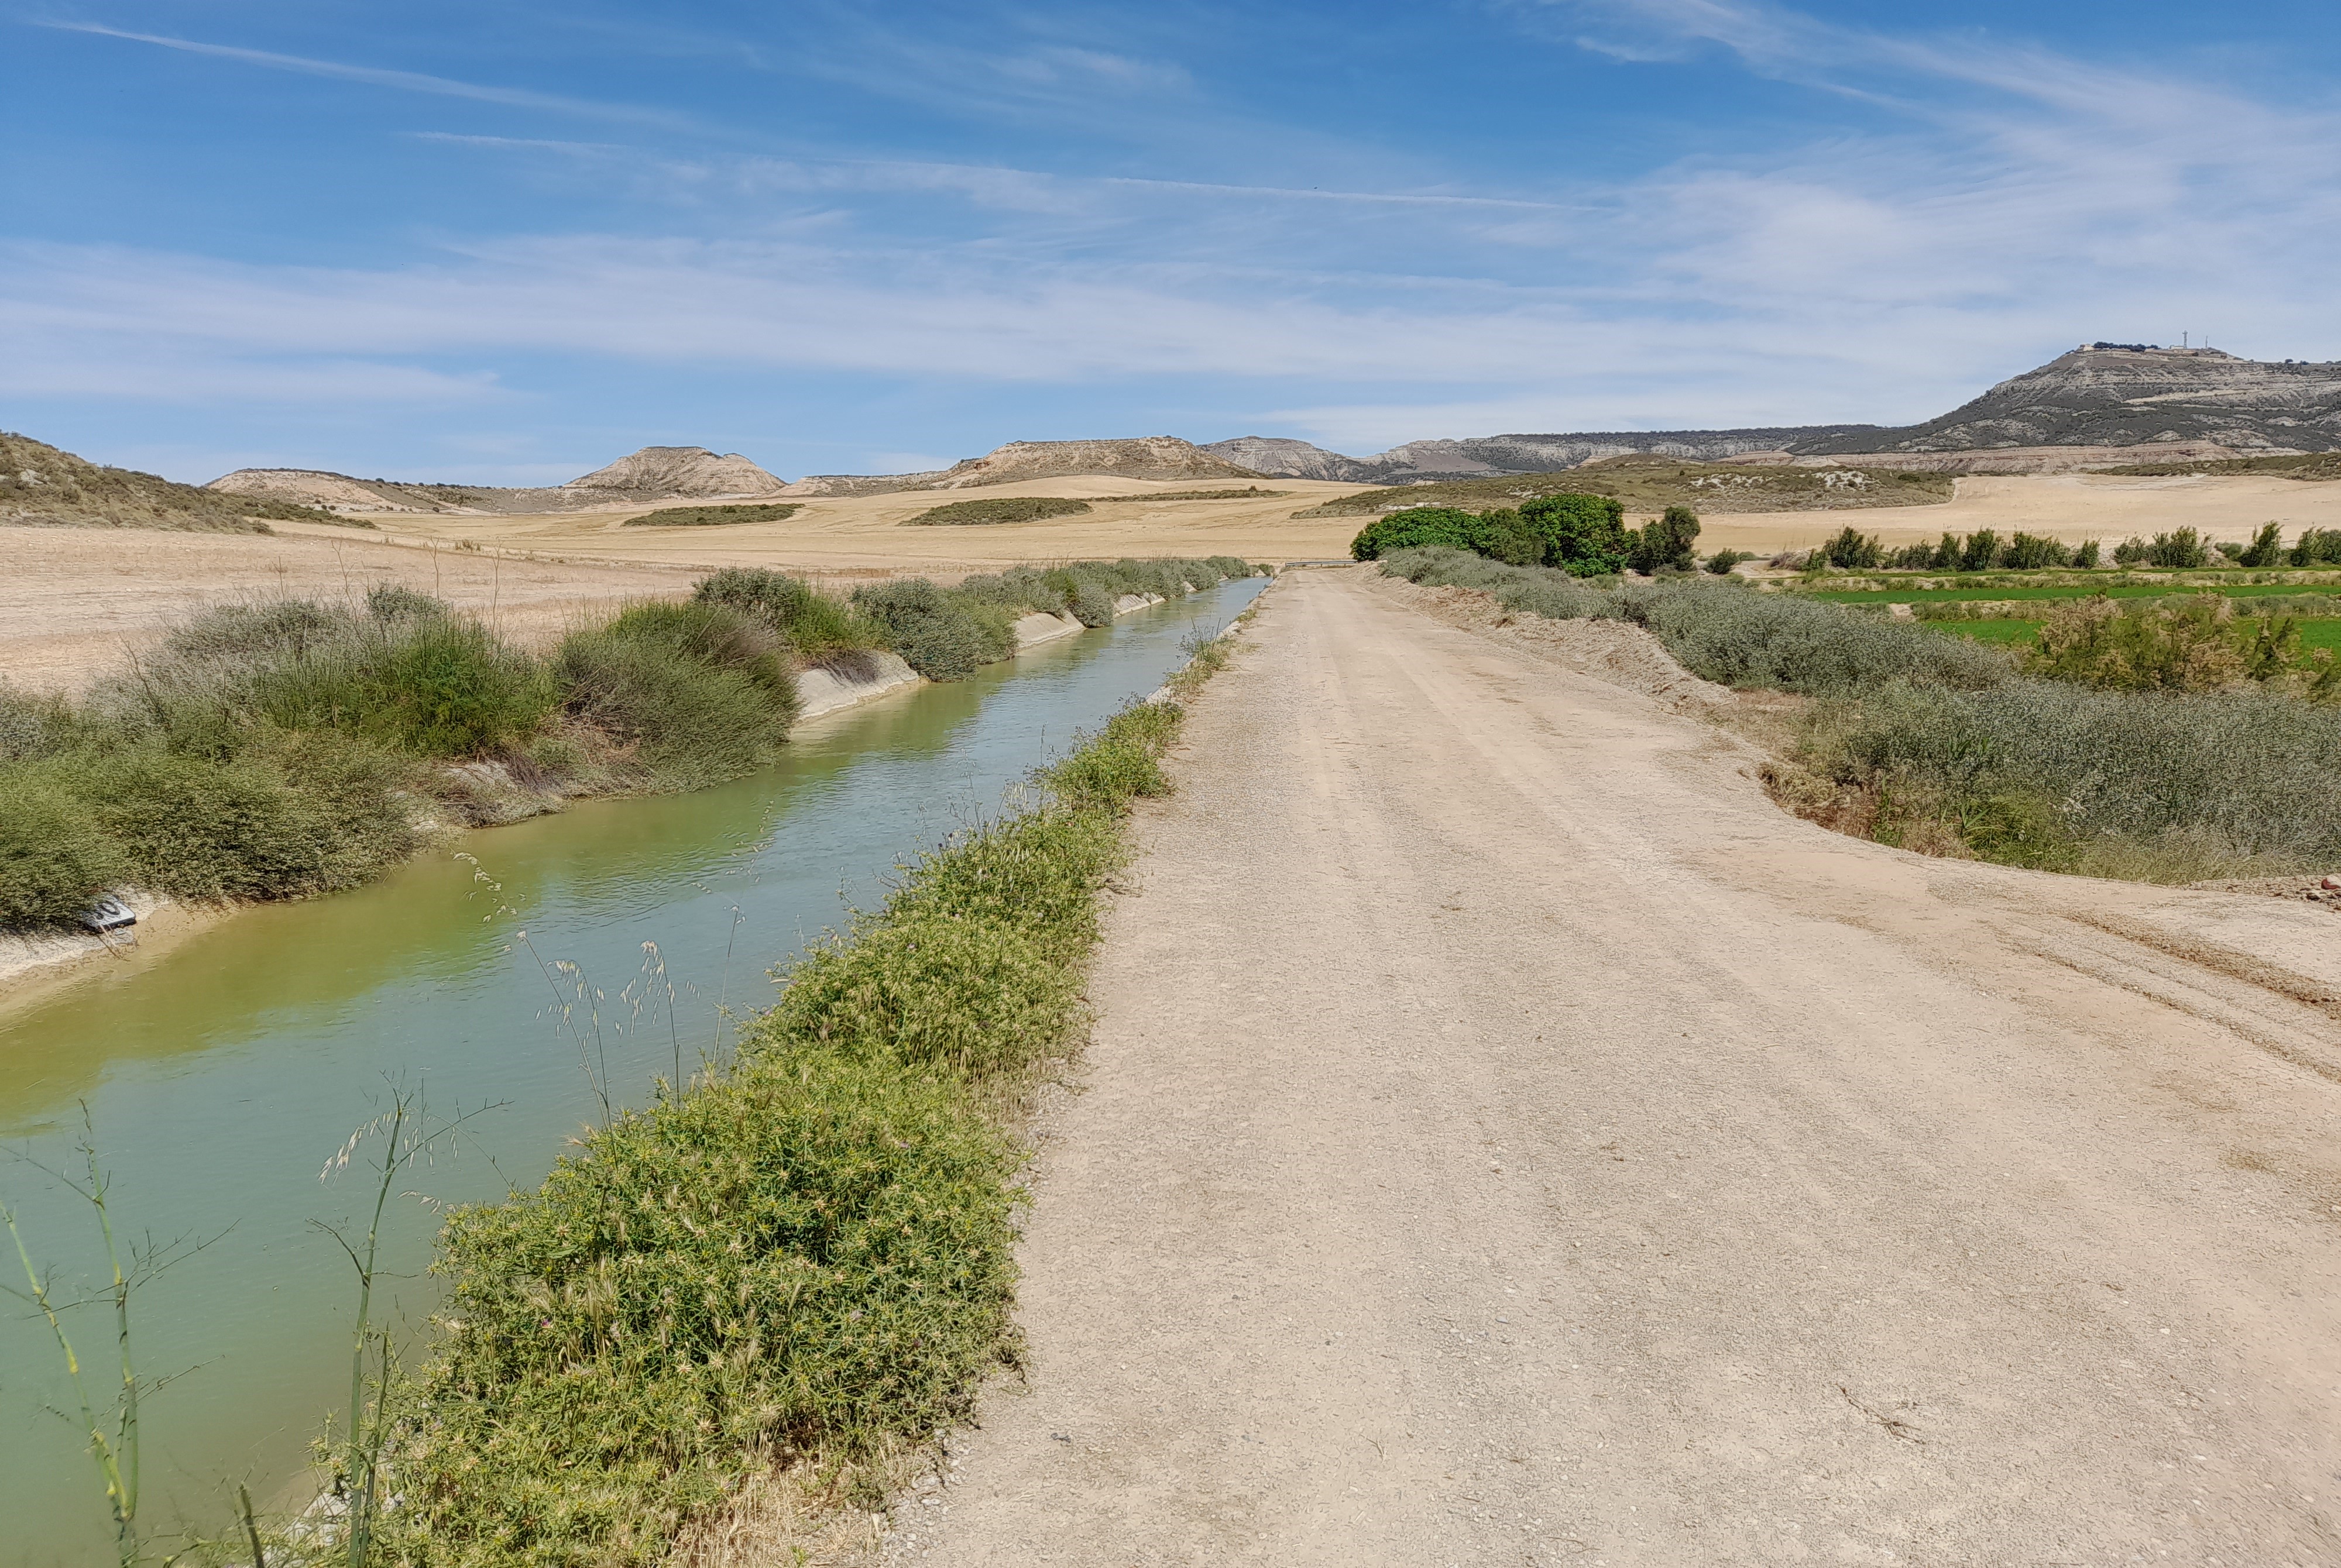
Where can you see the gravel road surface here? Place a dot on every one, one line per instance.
(1510, 1138)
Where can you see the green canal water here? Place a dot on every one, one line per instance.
(222, 1075)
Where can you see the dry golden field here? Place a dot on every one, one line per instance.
(75, 601)
(869, 533)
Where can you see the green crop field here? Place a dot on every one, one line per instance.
(2204, 582)
(2315, 632)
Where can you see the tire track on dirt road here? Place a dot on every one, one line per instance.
(1508, 1138)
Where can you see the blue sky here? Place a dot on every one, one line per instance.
(504, 242)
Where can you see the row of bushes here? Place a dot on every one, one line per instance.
(2180, 550)
(1583, 535)
(804, 1258)
(287, 747)
(946, 634)
(2103, 758)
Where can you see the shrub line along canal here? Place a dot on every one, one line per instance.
(600, 944)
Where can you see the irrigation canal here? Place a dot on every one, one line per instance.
(222, 1075)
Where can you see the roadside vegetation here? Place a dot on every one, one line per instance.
(1001, 509)
(2173, 741)
(288, 747)
(1640, 482)
(715, 516)
(798, 1265)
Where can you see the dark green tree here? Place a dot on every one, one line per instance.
(1980, 552)
(1667, 544)
(1853, 551)
(2266, 548)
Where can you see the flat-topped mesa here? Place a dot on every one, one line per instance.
(1157, 457)
(681, 471)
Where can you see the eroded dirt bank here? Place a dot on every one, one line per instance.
(1510, 1138)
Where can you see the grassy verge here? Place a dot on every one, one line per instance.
(1939, 744)
(802, 1262)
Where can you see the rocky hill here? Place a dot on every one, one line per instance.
(680, 471)
(40, 484)
(1160, 456)
(2128, 395)
(655, 474)
(1485, 457)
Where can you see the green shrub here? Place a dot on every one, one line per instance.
(2034, 552)
(1412, 529)
(686, 722)
(2266, 548)
(1724, 562)
(1001, 509)
(970, 996)
(54, 860)
(1584, 535)
(1500, 534)
(396, 601)
(444, 688)
(208, 830)
(813, 1253)
(943, 636)
(2086, 556)
(2175, 643)
(1119, 764)
(2316, 547)
(2180, 550)
(1980, 552)
(720, 638)
(1667, 544)
(1037, 872)
(817, 626)
(1853, 551)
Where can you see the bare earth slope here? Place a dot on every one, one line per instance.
(1510, 1139)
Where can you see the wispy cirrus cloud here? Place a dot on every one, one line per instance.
(399, 80)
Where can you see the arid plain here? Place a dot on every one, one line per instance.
(80, 599)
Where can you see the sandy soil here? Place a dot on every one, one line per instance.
(75, 601)
(867, 533)
(1508, 1138)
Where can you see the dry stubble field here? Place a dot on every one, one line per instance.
(75, 601)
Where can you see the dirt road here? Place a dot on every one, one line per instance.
(1510, 1139)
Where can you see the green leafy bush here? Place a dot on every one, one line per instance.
(1666, 544)
(1584, 535)
(2182, 549)
(2034, 552)
(1724, 562)
(943, 636)
(972, 998)
(684, 720)
(1502, 534)
(2086, 556)
(1412, 529)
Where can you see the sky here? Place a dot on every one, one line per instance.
(504, 244)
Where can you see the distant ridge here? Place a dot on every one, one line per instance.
(651, 474)
(1486, 457)
(2099, 405)
(1162, 457)
(2134, 395)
